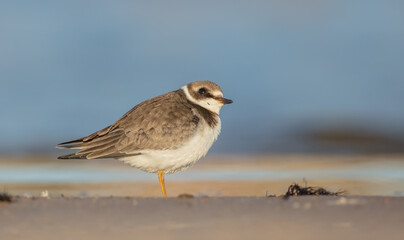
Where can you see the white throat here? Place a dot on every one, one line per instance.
(210, 104)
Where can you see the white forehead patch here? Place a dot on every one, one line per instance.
(217, 94)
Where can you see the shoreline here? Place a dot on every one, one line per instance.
(197, 188)
(214, 176)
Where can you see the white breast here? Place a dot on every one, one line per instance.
(171, 161)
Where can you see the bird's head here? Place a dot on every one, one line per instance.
(206, 94)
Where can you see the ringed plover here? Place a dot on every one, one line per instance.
(164, 134)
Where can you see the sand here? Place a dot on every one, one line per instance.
(108, 200)
(341, 217)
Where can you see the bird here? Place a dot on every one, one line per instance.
(165, 134)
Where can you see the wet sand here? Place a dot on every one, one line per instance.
(312, 218)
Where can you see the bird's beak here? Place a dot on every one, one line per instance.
(224, 100)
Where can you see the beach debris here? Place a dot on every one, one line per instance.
(44, 194)
(296, 190)
(5, 197)
(185, 195)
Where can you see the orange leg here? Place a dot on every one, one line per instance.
(162, 184)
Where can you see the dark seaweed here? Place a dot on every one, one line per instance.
(296, 190)
(5, 197)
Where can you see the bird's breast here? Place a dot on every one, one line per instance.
(178, 159)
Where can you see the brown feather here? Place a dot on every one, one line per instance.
(163, 122)
(102, 153)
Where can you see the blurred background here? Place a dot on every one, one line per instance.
(311, 77)
(305, 76)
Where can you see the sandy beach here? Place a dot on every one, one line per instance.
(338, 217)
(232, 199)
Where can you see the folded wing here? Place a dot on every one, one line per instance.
(159, 123)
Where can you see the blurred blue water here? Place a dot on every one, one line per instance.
(78, 175)
(70, 68)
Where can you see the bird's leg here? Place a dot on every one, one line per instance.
(162, 184)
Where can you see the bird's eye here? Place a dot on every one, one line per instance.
(202, 91)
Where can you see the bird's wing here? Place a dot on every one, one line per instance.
(163, 122)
